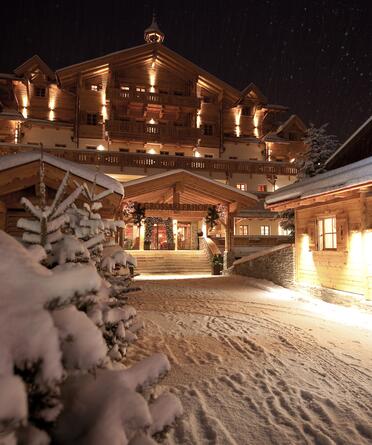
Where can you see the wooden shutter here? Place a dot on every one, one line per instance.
(342, 228)
(311, 233)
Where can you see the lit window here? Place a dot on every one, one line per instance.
(180, 153)
(124, 88)
(327, 233)
(265, 230)
(94, 87)
(242, 187)
(92, 119)
(40, 91)
(262, 188)
(243, 230)
(140, 89)
(208, 130)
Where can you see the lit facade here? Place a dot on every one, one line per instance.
(145, 110)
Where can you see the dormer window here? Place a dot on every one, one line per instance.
(40, 91)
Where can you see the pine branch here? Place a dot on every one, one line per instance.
(35, 210)
(68, 202)
(60, 192)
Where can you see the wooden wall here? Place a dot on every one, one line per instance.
(349, 267)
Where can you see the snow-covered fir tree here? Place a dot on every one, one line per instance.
(48, 352)
(48, 220)
(320, 146)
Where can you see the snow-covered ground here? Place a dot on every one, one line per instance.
(258, 364)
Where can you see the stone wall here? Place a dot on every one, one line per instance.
(276, 264)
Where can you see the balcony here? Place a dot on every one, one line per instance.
(143, 131)
(146, 161)
(147, 98)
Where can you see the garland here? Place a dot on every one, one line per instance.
(149, 227)
(212, 216)
(138, 214)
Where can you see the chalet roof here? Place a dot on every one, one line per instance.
(357, 146)
(18, 159)
(293, 119)
(10, 114)
(33, 63)
(350, 176)
(192, 186)
(252, 88)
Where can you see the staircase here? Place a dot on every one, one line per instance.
(175, 262)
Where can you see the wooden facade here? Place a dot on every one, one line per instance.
(333, 219)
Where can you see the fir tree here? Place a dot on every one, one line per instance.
(320, 146)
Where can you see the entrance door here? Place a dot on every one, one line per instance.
(159, 237)
(183, 235)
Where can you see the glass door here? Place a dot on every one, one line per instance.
(159, 237)
(184, 235)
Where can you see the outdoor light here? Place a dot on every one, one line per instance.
(100, 147)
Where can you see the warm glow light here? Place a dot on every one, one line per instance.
(152, 121)
(25, 112)
(152, 76)
(24, 101)
(52, 103)
(51, 115)
(197, 154)
(256, 132)
(152, 151)
(256, 124)
(198, 119)
(104, 113)
(292, 160)
(237, 130)
(100, 147)
(238, 113)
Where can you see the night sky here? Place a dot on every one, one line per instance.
(313, 56)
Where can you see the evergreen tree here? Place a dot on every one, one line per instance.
(320, 146)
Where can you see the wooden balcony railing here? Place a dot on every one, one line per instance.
(152, 132)
(146, 161)
(127, 96)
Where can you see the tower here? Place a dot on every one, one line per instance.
(153, 34)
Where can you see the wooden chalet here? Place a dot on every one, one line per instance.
(333, 219)
(147, 110)
(20, 176)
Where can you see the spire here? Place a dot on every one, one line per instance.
(153, 34)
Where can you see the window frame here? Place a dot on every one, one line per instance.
(265, 226)
(322, 234)
(92, 119)
(245, 228)
(242, 186)
(39, 89)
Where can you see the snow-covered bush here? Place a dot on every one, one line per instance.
(47, 348)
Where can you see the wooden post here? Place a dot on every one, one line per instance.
(228, 239)
(2, 216)
(363, 231)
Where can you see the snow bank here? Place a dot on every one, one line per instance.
(13, 402)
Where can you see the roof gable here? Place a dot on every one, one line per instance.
(293, 122)
(33, 66)
(254, 93)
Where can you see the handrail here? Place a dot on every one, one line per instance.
(139, 160)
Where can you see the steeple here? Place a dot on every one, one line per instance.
(153, 34)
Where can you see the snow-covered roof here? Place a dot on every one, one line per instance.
(102, 179)
(350, 139)
(358, 173)
(175, 172)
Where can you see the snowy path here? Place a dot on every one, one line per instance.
(257, 364)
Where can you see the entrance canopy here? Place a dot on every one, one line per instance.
(183, 190)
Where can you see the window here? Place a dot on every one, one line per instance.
(243, 230)
(91, 147)
(60, 145)
(180, 153)
(242, 187)
(265, 230)
(92, 119)
(140, 89)
(233, 157)
(40, 91)
(293, 137)
(262, 188)
(124, 150)
(327, 233)
(165, 153)
(96, 87)
(208, 156)
(208, 130)
(246, 111)
(124, 87)
(178, 93)
(141, 151)
(162, 91)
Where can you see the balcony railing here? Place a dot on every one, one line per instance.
(146, 161)
(152, 132)
(127, 96)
